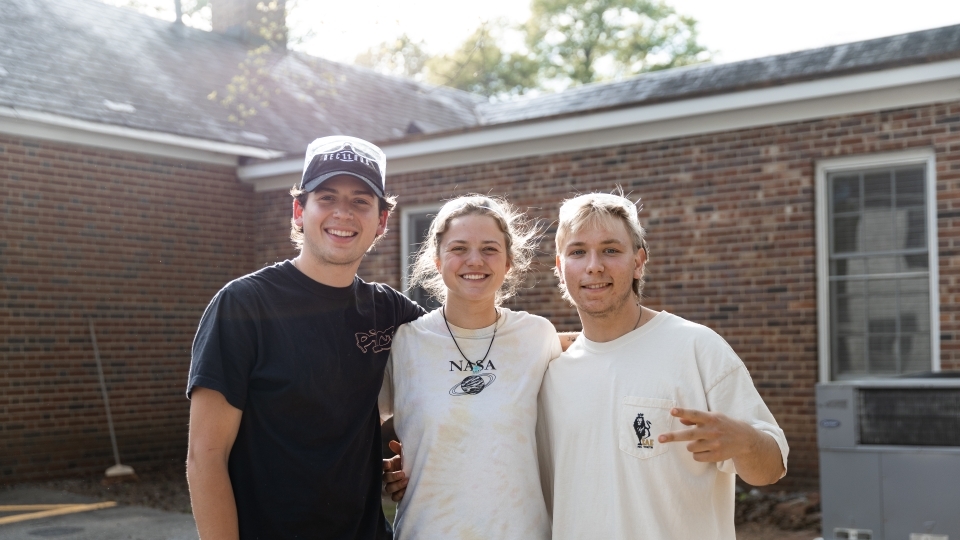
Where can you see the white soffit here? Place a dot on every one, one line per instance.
(851, 94)
(62, 129)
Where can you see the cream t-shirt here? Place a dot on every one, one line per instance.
(468, 427)
(603, 405)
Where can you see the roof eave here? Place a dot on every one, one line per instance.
(800, 100)
(18, 121)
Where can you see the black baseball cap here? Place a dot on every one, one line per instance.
(332, 156)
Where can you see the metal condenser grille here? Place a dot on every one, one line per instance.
(910, 417)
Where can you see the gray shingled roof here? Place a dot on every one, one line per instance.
(86, 60)
(671, 85)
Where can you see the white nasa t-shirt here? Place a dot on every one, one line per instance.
(603, 406)
(468, 427)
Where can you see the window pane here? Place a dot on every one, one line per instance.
(883, 353)
(845, 233)
(849, 355)
(915, 263)
(882, 294)
(849, 267)
(876, 190)
(915, 352)
(882, 265)
(879, 323)
(915, 227)
(882, 326)
(846, 194)
(914, 306)
(912, 343)
(878, 231)
(909, 187)
(882, 344)
(849, 306)
(419, 227)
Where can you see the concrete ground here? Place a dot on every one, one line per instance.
(116, 523)
(129, 522)
(754, 531)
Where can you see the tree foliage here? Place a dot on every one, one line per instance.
(573, 38)
(482, 67)
(402, 56)
(568, 42)
(248, 90)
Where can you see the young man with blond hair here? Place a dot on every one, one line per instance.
(287, 366)
(616, 460)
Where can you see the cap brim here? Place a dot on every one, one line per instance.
(312, 184)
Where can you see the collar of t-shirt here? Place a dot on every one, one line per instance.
(608, 346)
(317, 288)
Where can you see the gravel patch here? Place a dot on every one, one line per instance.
(162, 488)
(786, 511)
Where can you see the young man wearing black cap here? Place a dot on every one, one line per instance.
(287, 365)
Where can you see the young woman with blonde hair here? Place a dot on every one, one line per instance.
(462, 382)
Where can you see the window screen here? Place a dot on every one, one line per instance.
(879, 272)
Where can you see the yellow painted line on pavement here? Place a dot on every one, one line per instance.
(29, 507)
(47, 511)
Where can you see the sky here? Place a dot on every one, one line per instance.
(732, 29)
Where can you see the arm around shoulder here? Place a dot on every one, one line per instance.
(567, 339)
(214, 424)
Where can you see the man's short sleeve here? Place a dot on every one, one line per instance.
(225, 348)
(407, 309)
(737, 397)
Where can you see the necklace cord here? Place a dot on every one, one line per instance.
(443, 311)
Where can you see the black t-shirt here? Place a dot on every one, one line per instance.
(304, 362)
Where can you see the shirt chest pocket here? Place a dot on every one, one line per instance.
(642, 420)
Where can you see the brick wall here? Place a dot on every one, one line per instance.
(139, 244)
(731, 227)
(273, 227)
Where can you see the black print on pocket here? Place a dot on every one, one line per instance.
(642, 428)
(473, 384)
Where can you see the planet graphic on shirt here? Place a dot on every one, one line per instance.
(473, 384)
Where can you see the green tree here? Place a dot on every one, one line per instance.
(402, 56)
(481, 66)
(248, 90)
(571, 38)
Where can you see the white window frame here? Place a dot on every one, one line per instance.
(405, 232)
(925, 157)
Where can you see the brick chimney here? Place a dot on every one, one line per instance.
(254, 22)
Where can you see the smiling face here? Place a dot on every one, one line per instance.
(340, 221)
(472, 259)
(598, 266)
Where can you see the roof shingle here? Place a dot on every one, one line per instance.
(86, 60)
(696, 81)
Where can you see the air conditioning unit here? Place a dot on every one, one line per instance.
(890, 458)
